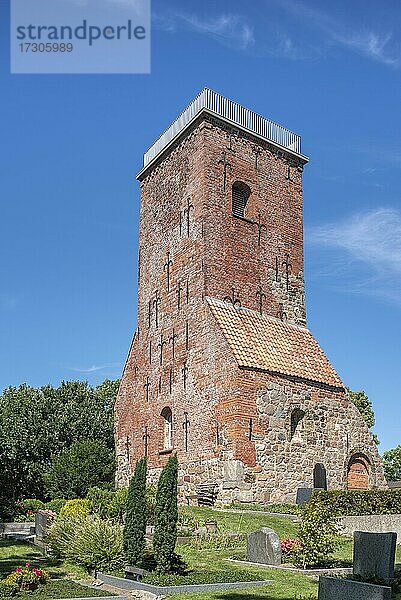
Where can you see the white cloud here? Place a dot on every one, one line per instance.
(371, 45)
(367, 42)
(370, 238)
(93, 368)
(228, 29)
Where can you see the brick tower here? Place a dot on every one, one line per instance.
(222, 369)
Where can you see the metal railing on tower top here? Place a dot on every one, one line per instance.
(234, 113)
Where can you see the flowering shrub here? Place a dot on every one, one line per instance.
(50, 513)
(26, 578)
(26, 509)
(317, 536)
(287, 545)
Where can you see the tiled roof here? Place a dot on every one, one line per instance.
(263, 342)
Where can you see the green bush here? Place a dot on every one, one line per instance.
(166, 516)
(55, 505)
(135, 519)
(317, 536)
(118, 506)
(76, 508)
(80, 467)
(61, 533)
(97, 544)
(150, 504)
(359, 502)
(7, 588)
(99, 501)
(106, 504)
(88, 541)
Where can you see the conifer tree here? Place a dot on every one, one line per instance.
(166, 516)
(135, 520)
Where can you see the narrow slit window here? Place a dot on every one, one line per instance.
(297, 416)
(240, 195)
(168, 428)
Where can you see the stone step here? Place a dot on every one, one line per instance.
(20, 537)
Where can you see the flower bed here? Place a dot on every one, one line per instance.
(23, 579)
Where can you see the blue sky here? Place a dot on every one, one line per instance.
(72, 145)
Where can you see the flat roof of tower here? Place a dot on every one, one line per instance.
(232, 112)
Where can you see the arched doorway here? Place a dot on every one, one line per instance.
(319, 477)
(358, 472)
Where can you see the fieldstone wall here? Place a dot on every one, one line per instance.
(371, 524)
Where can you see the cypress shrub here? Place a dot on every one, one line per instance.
(166, 517)
(135, 520)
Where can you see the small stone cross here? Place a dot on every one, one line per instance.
(167, 266)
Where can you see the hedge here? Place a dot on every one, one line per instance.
(366, 502)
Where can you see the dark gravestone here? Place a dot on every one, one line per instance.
(374, 554)
(303, 495)
(319, 477)
(135, 573)
(334, 588)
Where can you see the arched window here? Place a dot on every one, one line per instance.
(240, 195)
(296, 423)
(168, 428)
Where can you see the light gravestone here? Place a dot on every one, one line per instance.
(43, 520)
(264, 547)
(374, 554)
(334, 588)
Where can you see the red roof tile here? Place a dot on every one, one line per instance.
(263, 342)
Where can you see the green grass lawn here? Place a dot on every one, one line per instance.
(15, 554)
(205, 565)
(243, 522)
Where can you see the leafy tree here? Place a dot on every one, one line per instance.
(364, 405)
(135, 519)
(392, 464)
(83, 412)
(166, 516)
(38, 424)
(26, 444)
(84, 465)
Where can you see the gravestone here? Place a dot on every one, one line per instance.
(303, 495)
(43, 520)
(374, 554)
(335, 588)
(319, 477)
(135, 573)
(264, 547)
